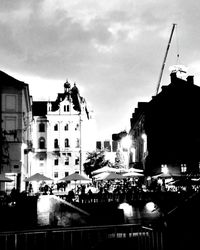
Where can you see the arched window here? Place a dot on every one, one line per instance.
(41, 143)
(56, 143)
(66, 142)
(56, 127)
(41, 127)
(67, 126)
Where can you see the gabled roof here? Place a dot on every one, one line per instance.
(6, 79)
(39, 108)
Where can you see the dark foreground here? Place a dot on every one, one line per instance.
(177, 223)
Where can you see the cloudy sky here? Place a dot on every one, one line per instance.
(112, 49)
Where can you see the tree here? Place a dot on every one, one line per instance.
(94, 161)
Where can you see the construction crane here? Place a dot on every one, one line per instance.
(165, 57)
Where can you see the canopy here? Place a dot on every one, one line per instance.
(38, 177)
(3, 178)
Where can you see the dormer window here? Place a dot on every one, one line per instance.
(66, 108)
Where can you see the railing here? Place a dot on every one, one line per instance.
(129, 236)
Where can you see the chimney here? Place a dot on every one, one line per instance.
(173, 77)
(190, 79)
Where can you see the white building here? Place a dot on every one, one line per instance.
(63, 131)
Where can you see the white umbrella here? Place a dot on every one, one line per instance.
(38, 177)
(133, 174)
(105, 169)
(135, 170)
(109, 176)
(75, 177)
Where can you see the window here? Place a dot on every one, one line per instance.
(66, 142)
(41, 127)
(11, 102)
(66, 127)
(67, 161)
(77, 143)
(77, 161)
(10, 123)
(183, 168)
(55, 174)
(65, 108)
(56, 127)
(56, 143)
(55, 162)
(41, 143)
(66, 174)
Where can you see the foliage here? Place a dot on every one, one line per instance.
(94, 161)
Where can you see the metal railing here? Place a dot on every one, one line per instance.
(130, 236)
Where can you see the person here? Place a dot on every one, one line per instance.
(14, 194)
(30, 188)
(90, 195)
(71, 195)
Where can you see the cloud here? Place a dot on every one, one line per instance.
(114, 49)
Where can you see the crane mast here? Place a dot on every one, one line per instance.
(165, 57)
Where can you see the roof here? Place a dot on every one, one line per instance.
(39, 108)
(6, 79)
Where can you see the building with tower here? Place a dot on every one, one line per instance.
(63, 132)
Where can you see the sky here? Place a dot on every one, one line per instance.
(113, 50)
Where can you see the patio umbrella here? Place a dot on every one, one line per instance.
(75, 177)
(136, 170)
(38, 177)
(133, 174)
(167, 175)
(105, 169)
(3, 178)
(111, 176)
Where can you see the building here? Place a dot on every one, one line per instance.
(110, 148)
(63, 132)
(16, 116)
(166, 130)
(122, 142)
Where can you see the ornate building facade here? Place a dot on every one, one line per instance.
(63, 132)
